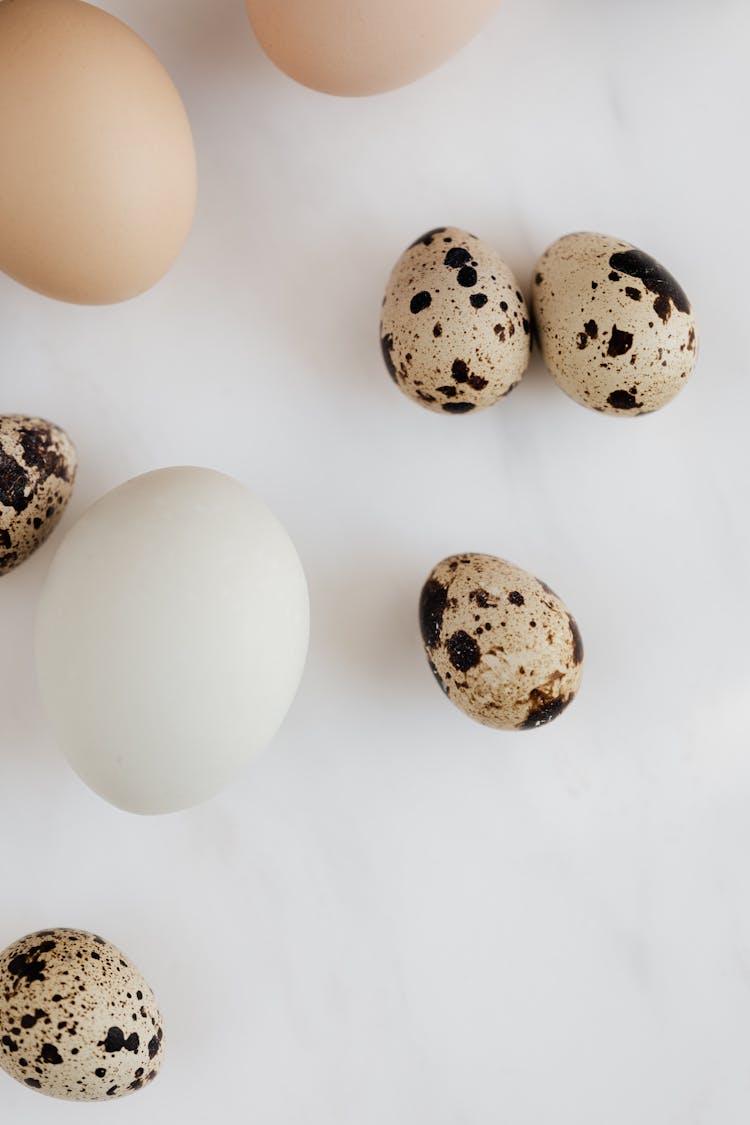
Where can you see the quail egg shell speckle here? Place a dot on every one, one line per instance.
(37, 471)
(455, 330)
(501, 645)
(77, 1019)
(615, 329)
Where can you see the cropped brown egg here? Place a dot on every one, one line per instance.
(615, 329)
(98, 186)
(501, 645)
(454, 328)
(77, 1019)
(356, 47)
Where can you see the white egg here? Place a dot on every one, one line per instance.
(171, 636)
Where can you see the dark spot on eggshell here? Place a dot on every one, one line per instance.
(467, 277)
(623, 400)
(634, 294)
(456, 257)
(420, 301)
(428, 238)
(41, 453)
(538, 279)
(463, 651)
(51, 1055)
(590, 332)
(478, 300)
(437, 329)
(28, 1021)
(577, 639)
(620, 342)
(28, 966)
(458, 407)
(14, 481)
(655, 277)
(516, 598)
(460, 371)
(544, 710)
(432, 605)
(116, 1041)
(386, 343)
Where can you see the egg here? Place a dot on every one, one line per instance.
(37, 471)
(501, 645)
(98, 186)
(615, 329)
(455, 331)
(356, 47)
(77, 1019)
(171, 636)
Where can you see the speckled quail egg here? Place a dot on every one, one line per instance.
(615, 328)
(500, 643)
(77, 1019)
(37, 471)
(455, 330)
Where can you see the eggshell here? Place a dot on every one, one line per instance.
(171, 636)
(501, 645)
(454, 328)
(615, 328)
(37, 471)
(77, 1019)
(98, 186)
(356, 47)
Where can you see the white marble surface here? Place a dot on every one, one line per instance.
(397, 916)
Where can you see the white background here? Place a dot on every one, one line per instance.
(396, 916)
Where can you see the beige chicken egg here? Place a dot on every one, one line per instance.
(355, 47)
(37, 471)
(98, 186)
(454, 328)
(501, 645)
(77, 1019)
(615, 329)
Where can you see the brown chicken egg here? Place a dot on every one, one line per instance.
(355, 47)
(98, 185)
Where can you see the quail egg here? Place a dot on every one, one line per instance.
(501, 645)
(77, 1019)
(615, 329)
(455, 330)
(37, 471)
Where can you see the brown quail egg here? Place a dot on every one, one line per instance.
(615, 328)
(77, 1019)
(455, 330)
(37, 470)
(500, 643)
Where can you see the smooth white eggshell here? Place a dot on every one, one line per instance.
(171, 636)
